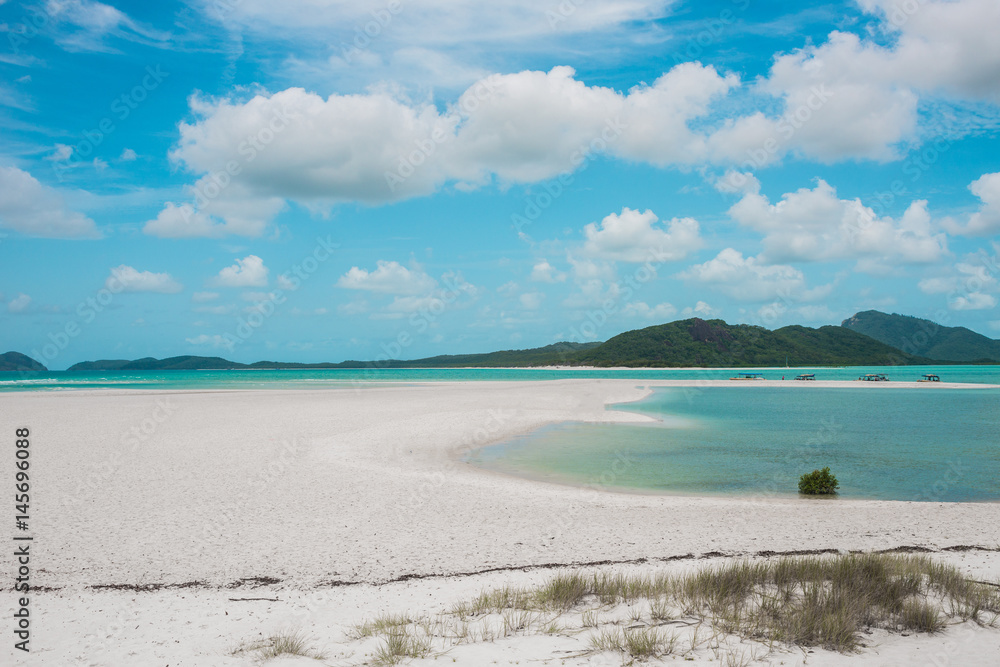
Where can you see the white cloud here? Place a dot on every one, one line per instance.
(532, 300)
(747, 279)
(61, 153)
(635, 237)
(973, 301)
(701, 309)
(124, 278)
(816, 313)
(181, 222)
(85, 25)
(247, 272)
(353, 308)
(216, 310)
(986, 220)
(19, 304)
(203, 297)
(258, 297)
(388, 278)
(438, 21)
(970, 285)
(33, 209)
(233, 210)
(379, 146)
(128, 155)
(815, 225)
(849, 97)
(643, 310)
(543, 272)
(216, 341)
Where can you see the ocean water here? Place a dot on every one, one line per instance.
(317, 378)
(889, 444)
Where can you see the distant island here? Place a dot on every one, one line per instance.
(925, 338)
(15, 361)
(869, 338)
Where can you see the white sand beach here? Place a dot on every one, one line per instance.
(332, 506)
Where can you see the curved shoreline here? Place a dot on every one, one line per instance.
(335, 492)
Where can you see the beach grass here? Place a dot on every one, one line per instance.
(292, 642)
(807, 601)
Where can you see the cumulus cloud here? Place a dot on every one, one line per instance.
(849, 97)
(700, 309)
(247, 272)
(543, 272)
(747, 278)
(636, 237)
(973, 301)
(970, 285)
(532, 300)
(388, 278)
(660, 312)
(33, 209)
(986, 220)
(815, 225)
(180, 222)
(216, 341)
(232, 210)
(19, 304)
(124, 278)
(379, 146)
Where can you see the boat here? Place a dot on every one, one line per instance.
(806, 376)
(748, 376)
(874, 377)
(929, 377)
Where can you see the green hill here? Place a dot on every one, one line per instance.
(183, 363)
(557, 353)
(924, 337)
(713, 343)
(15, 361)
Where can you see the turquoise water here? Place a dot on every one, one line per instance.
(922, 444)
(316, 378)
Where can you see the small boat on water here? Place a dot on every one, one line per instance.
(929, 377)
(806, 376)
(748, 376)
(874, 377)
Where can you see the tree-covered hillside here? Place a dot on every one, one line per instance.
(924, 337)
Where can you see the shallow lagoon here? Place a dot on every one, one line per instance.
(923, 444)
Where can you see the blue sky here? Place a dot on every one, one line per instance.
(320, 180)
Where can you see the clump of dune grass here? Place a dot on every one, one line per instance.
(795, 601)
(639, 643)
(282, 643)
(399, 644)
